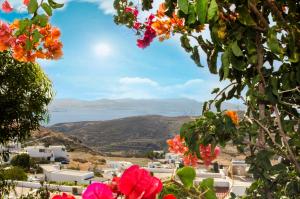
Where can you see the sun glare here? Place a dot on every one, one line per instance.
(103, 49)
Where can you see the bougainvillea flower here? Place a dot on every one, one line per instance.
(6, 7)
(207, 155)
(26, 2)
(137, 183)
(176, 145)
(137, 25)
(169, 196)
(190, 160)
(134, 11)
(5, 36)
(114, 185)
(233, 116)
(97, 191)
(63, 196)
(161, 10)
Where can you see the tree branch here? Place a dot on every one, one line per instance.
(260, 16)
(275, 9)
(284, 138)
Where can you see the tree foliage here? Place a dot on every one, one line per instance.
(21, 160)
(257, 43)
(25, 92)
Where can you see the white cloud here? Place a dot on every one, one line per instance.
(137, 81)
(146, 88)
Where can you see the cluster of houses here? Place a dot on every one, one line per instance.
(231, 179)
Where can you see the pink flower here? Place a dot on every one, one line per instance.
(63, 196)
(207, 155)
(97, 191)
(134, 11)
(137, 183)
(136, 25)
(6, 7)
(6, 38)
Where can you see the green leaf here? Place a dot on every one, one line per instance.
(28, 45)
(212, 10)
(32, 6)
(187, 176)
(245, 17)
(195, 56)
(212, 57)
(207, 186)
(36, 36)
(184, 6)
(55, 5)
(236, 49)
(273, 43)
(216, 90)
(41, 20)
(192, 14)
(225, 63)
(47, 8)
(185, 43)
(202, 6)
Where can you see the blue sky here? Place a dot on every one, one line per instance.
(101, 60)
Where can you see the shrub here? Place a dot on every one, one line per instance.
(22, 160)
(14, 173)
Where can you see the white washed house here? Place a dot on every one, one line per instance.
(120, 165)
(54, 173)
(49, 153)
(173, 158)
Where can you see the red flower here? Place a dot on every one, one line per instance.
(169, 196)
(6, 7)
(134, 11)
(63, 196)
(137, 183)
(26, 2)
(5, 36)
(207, 155)
(114, 185)
(190, 159)
(136, 25)
(97, 191)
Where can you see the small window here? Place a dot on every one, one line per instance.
(42, 150)
(63, 149)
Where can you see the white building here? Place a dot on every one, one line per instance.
(53, 173)
(59, 151)
(11, 147)
(49, 153)
(173, 158)
(120, 165)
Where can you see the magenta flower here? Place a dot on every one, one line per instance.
(97, 191)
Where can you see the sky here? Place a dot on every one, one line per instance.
(101, 59)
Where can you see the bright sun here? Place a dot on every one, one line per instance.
(103, 49)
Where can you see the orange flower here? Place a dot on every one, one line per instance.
(233, 116)
(176, 145)
(161, 10)
(190, 160)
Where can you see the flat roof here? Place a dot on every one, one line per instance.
(49, 167)
(73, 172)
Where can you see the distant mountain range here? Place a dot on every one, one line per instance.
(126, 136)
(72, 110)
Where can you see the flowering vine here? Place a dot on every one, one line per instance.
(34, 38)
